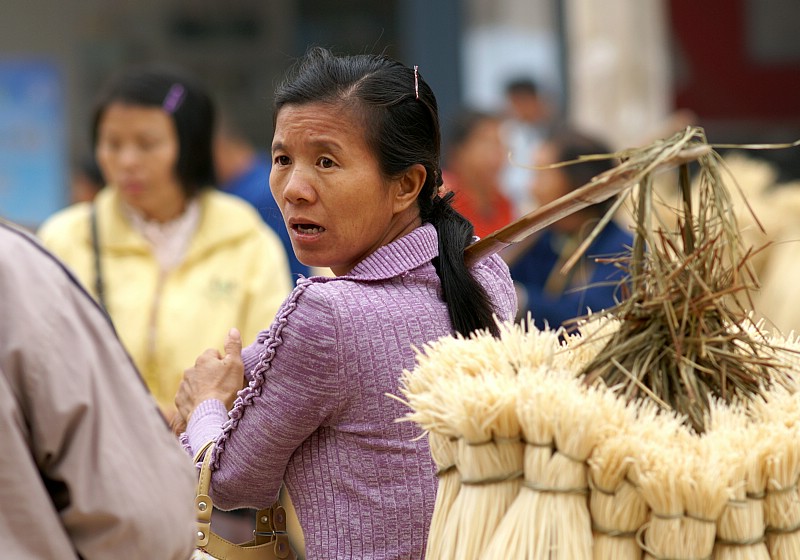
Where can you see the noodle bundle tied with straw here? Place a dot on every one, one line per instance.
(782, 500)
(740, 527)
(681, 482)
(562, 421)
(618, 509)
(489, 461)
(428, 391)
(778, 410)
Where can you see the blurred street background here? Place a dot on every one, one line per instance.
(622, 69)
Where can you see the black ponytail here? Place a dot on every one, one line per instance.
(468, 303)
(401, 120)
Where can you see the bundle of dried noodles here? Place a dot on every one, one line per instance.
(684, 481)
(740, 527)
(489, 461)
(778, 410)
(429, 391)
(562, 421)
(618, 509)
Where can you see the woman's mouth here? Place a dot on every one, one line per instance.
(308, 229)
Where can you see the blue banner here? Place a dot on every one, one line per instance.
(33, 170)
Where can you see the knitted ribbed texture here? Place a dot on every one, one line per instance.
(316, 414)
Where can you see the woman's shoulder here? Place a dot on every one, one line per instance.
(494, 275)
(225, 216)
(325, 290)
(494, 267)
(221, 206)
(66, 224)
(337, 298)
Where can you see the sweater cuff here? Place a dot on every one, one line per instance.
(250, 360)
(205, 423)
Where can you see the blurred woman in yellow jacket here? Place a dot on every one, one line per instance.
(175, 262)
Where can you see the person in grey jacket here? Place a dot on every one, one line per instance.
(88, 468)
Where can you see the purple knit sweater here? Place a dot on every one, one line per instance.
(316, 415)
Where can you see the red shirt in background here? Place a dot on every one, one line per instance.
(486, 218)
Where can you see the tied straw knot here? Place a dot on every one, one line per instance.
(652, 553)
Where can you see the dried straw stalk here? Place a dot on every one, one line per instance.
(683, 338)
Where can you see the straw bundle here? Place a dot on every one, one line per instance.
(682, 337)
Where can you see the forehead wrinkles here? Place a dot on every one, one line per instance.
(321, 122)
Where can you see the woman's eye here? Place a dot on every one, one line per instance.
(147, 145)
(281, 160)
(326, 163)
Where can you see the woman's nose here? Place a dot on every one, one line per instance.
(128, 155)
(298, 187)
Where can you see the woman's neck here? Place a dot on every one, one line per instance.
(164, 213)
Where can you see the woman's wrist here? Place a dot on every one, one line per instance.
(205, 422)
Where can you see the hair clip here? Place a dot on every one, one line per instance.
(174, 98)
(416, 81)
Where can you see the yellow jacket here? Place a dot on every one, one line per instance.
(235, 274)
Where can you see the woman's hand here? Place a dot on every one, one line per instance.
(213, 377)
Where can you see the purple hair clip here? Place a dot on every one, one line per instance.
(416, 81)
(174, 98)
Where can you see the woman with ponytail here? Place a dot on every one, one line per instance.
(356, 173)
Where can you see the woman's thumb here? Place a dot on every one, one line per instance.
(233, 343)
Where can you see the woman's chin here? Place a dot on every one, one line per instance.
(310, 258)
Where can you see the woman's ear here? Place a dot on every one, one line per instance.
(408, 186)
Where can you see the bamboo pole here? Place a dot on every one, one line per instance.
(602, 187)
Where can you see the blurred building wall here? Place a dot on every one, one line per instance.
(617, 67)
(619, 70)
(508, 39)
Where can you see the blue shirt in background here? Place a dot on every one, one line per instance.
(253, 186)
(554, 298)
